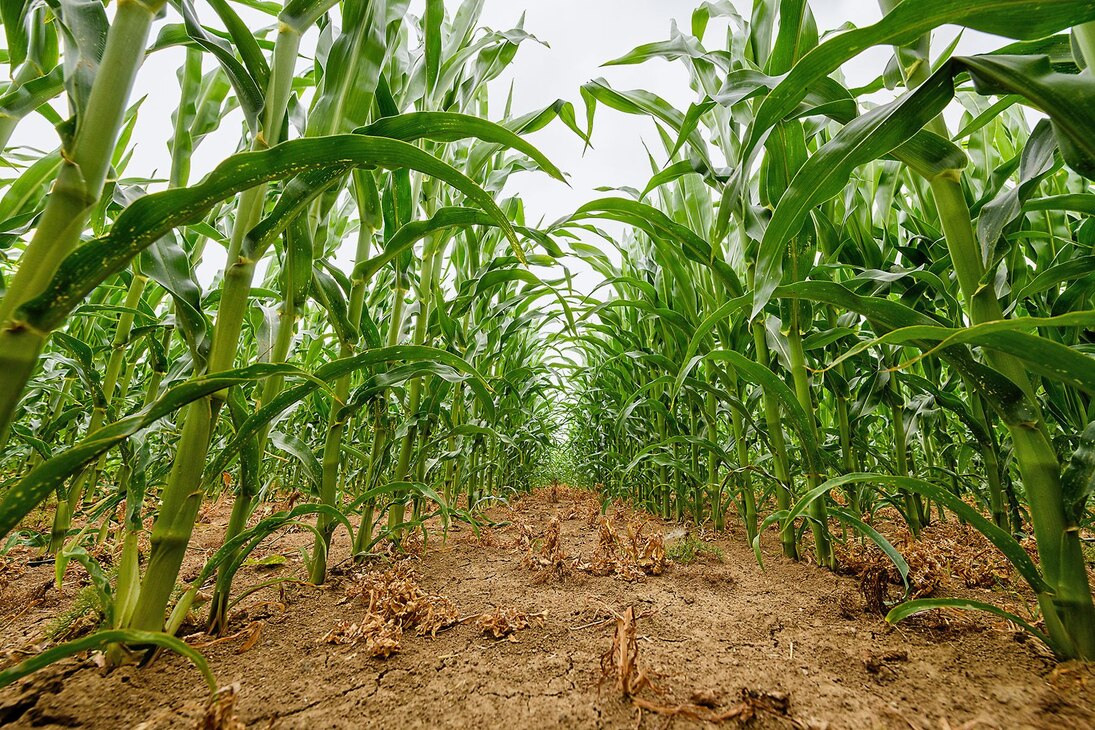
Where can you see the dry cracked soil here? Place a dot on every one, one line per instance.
(790, 646)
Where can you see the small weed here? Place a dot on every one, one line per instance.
(84, 616)
(689, 549)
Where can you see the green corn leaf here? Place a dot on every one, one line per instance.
(353, 68)
(1007, 544)
(333, 299)
(1078, 477)
(1019, 19)
(911, 608)
(233, 553)
(1062, 96)
(150, 217)
(13, 13)
(1042, 355)
(1036, 164)
(758, 374)
(295, 447)
(333, 370)
(29, 491)
(658, 224)
(25, 194)
(378, 384)
(639, 102)
(415, 231)
(1003, 395)
(453, 127)
(248, 91)
(434, 18)
(299, 15)
(22, 100)
(884, 545)
(826, 172)
(84, 26)
(166, 263)
(102, 639)
(244, 42)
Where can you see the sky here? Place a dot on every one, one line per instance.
(578, 36)
(583, 34)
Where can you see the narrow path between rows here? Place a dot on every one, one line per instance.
(789, 647)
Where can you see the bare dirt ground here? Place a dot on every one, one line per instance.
(714, 640)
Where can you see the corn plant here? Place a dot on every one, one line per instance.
(826, 303)
(861, 271)
(137, 390)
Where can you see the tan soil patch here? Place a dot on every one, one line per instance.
(789, 647)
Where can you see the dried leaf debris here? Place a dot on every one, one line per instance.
(395, 602)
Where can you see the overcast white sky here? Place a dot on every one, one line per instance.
(582, 34)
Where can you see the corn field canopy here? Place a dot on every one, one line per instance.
(830, 314)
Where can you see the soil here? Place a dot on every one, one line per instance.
(788, 647)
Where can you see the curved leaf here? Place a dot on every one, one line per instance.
(150, 217)
(100, 639)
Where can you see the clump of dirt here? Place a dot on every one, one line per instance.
(22, 587)
(11, 573)
(1073, 676)
(752, 704)
(209, 509)
(882, 664)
